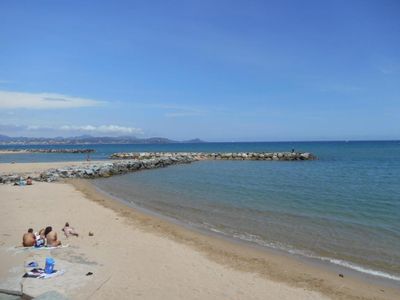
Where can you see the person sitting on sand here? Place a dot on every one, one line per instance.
(28, 239)
(51, 237)
(29, 181)
(40, 239)
(41, 233)
(69, 230)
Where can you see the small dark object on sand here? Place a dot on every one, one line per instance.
(341, 275)
(89, 273)
(91, 233)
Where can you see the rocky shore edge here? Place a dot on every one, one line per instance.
(132, 162)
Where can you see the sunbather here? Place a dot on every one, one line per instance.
(40, 239)
(69, 230)
(51, 237)
(28, 239)
(41, 233)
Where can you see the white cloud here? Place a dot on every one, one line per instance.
(110, 129)
(12, 100)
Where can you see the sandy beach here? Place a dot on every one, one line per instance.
(135, 255)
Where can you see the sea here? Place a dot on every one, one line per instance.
(342, 209)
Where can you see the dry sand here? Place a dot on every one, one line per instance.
(127, 262)
(134, 255)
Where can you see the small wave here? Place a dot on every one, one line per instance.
(248, 237)
(359, 268)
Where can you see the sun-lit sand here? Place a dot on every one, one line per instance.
(134, 255)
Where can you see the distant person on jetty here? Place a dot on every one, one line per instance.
(51, 237)
(69, 230)
(28, 239)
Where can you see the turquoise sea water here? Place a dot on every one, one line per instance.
(343, 208)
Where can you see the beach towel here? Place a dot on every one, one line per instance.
(49, 247)
(19, 249)
(40, 273)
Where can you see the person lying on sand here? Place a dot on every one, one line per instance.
(69, 230)
(51, 237)
(28, 239)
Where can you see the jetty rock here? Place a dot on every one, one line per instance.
(132, 162)
(279, 156)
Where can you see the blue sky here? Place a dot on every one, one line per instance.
(217, 70)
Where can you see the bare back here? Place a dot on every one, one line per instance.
(52, 239)
(28, 239)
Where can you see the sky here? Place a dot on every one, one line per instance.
(215, 70)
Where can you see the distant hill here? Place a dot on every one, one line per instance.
(87, 139)
(4, 138)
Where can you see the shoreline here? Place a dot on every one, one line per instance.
(271, 264)
(341, 267)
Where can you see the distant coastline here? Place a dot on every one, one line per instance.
(6, 140)
(89, 140)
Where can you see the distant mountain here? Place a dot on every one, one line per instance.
(87, 139)
(194, 141)
(4, 138)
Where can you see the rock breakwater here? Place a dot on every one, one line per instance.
(278, 156)
(97, 170)
(132, 162)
